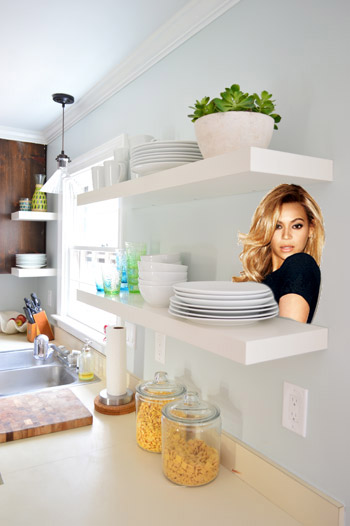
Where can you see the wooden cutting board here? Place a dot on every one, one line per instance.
(28, 415)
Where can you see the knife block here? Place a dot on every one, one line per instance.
(41, 326)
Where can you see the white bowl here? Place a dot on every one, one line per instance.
(163, 277)
(161, 267)
(162, 258)
(160, 283)
(157, 296)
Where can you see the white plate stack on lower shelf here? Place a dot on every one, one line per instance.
(156, 156)
(223, 302)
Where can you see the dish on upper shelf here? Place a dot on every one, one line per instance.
(168, 158)
(147, 169)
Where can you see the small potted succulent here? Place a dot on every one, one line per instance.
(233, 121)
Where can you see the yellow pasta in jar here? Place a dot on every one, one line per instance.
(151, 397)
(191, 462)
(148, 425)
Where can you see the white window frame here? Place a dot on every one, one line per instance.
(66, 206)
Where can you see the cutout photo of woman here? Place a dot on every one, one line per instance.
(283, 250)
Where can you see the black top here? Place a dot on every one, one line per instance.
(298, 274)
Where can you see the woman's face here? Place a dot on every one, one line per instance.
(292, 232)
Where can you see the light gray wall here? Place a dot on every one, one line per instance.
(299, 51)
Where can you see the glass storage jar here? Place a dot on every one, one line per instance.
(150, 397)
(191, 431)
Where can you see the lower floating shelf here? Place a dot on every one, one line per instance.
(246, 344)
(33, 272)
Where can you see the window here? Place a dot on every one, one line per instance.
(84, 233)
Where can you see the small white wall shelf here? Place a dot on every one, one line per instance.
(33, 272)
(246, 344)
(33, 216)
(246, 170)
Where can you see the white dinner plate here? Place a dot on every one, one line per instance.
(165, 144)
(226, 323)
(216, 316)
(167, 157)
(147, 169)
(222, 310)
(167, 151)
(267, 302)
(223, 288)
(31, 266)
(163, 160)
(225, 297)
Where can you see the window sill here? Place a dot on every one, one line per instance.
(80, 331)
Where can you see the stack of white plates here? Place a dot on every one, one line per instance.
(30, 260)
(156, 156)
(223, 302)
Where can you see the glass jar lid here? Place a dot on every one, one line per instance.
(191, 410)
(160, 387)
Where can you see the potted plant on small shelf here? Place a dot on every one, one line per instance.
(233, 121)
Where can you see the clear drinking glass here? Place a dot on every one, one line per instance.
(134, 251)
(111, 276)
(120, 255)
(98, 261)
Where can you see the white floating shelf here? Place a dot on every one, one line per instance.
(33, 216)
(246, 344)
(33, 272)
(246, 170)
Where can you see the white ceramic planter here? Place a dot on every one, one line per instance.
(225, 132)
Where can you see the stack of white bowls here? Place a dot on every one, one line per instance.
(30, 260)
(157, 275)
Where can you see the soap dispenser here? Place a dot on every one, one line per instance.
(86, 371)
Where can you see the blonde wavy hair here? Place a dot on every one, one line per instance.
(256, 256)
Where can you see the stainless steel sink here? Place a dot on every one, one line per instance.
(20, 372)
(19, 359)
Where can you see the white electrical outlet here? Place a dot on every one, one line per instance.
(294, 416)
(130, 335)
(160, 347)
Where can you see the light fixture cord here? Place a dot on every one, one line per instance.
(63, 127)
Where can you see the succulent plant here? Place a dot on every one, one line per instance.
(233, 99)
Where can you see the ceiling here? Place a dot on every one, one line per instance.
(67, 46)
(87, 48)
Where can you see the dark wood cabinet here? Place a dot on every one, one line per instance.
(19, 161)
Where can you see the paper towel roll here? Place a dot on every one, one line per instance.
(115, 360)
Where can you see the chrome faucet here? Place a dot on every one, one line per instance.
(42, 350)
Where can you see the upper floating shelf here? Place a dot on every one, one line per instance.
(33, 216)
(246, 170)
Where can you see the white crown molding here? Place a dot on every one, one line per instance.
(18, 134)
(196, 15)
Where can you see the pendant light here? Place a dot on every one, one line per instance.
(54, 184)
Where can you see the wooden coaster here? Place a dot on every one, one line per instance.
(115, 409)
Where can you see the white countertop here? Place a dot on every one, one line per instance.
(98, 475)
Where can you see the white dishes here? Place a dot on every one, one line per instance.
(162, 258)
(157, 277)
(31, 260)
(156, 156)
(223, 303)
(161, 267)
